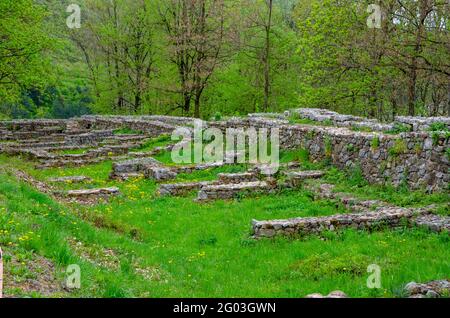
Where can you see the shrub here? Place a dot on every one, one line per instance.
(375, 142)
(398, 148)
(217, 116)
(399, 128)
(438, 126)
(351, 148)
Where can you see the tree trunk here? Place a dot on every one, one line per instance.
(186, 103)
(266, 60)
(412, 88)
(197, 105)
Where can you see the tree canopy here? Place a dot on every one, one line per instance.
(207, 57)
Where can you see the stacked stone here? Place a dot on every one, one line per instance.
(339, 120)
(390, 216)
(234, 178)
(181, 189)
(151, 127)
(70, 179)
(230, 191)
(89, 157)
(422, 123)
(160, 173)
(92, 138)
(270, 115)
(433, 289)
(153, 152)
(174, 120)
(435, 223)
(419, 159)
(91, 195)
(133, 167)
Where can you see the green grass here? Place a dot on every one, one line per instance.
(127, 131)
(189, 249)
(150, 144)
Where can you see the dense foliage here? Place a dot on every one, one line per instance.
(214, 57)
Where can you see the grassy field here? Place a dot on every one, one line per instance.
(143, 245)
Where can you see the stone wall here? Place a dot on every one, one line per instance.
(141, 123)
(419, 158)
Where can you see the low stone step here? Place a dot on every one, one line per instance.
(390, 216)
(433, 222)
(229, 191)
(325, 191)
(91, 195)
(88, 192)
(70, 179)
(270, 169)
(180, 189)
(228, 178)
(137, 165)
(297, 177)
(199, 167)
(75, 162)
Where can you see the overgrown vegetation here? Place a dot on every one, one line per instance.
(247, 56)
(143, 245)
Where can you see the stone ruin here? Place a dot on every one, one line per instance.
(366, 215)
(417, 157)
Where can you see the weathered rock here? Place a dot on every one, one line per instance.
(134, 166)
(435, 223)
(71, 179)
(229, 191)
(159, 173)
(333, 294)
(86, 195)
(386, 216)
(237, 177)
(295, 178)
(418, 158)
(180, 189)
(433, 289)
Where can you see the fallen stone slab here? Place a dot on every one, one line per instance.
(433, 289)
(230, 191)
(70, 179)
(91, 195)
(181, 189)
(386, 216)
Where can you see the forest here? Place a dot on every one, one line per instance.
(214, 58)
